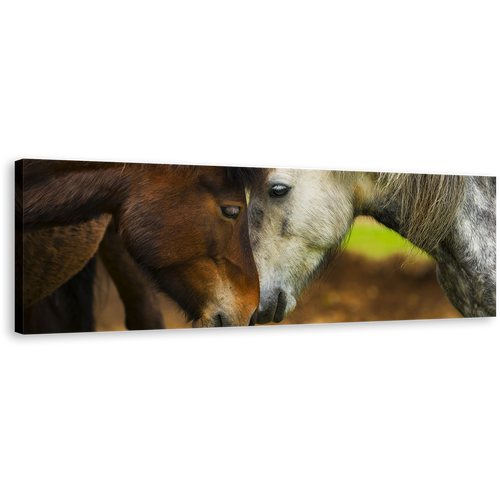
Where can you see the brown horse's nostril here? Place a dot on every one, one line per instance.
(253, 319)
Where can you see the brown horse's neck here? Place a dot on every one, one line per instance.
(60, 193)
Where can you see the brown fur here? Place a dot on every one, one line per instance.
(70, 308)
(53, 255)
(142, 309)
(168, 217)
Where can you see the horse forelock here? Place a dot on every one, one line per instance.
(428, 204)
(245, 177)
(240, 177)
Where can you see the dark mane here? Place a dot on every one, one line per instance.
(33, 170)
(241, 177)
(246, 177)
(30, 173)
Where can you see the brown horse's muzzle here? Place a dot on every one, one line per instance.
(223, 318)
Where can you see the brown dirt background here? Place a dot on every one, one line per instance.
(355, 289)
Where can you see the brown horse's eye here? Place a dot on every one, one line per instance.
(230, 212)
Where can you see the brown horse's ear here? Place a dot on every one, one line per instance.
(245, 177)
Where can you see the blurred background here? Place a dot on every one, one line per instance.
(378, 277)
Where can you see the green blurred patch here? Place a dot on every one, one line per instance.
(375, 241)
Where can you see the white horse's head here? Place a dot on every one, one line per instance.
(296, 218)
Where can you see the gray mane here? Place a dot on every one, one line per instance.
(428, 204)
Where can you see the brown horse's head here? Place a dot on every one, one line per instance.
(188, 228)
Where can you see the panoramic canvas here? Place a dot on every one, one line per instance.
(112, 246)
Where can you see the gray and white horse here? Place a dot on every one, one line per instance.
(298, 216)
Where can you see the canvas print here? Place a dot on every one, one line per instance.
(111, 246)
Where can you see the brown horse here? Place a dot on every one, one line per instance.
(70, 308)
(185, 227)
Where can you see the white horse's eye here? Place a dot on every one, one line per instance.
(279, 190)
